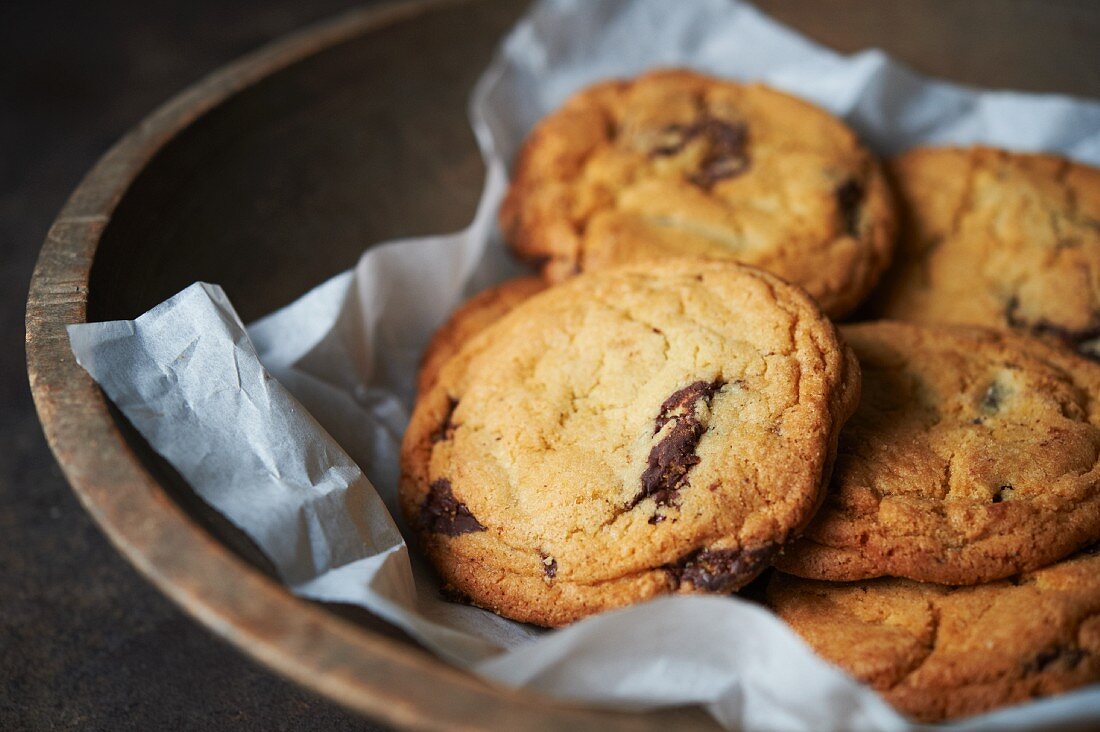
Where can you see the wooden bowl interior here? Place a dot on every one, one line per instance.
(287, 182)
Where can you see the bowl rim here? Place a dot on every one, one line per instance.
(364, 671)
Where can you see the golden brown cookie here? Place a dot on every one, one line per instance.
(999, 239)
(674, 163)
(474, 315)
(631, 433)
(974, 454)
(938, 652)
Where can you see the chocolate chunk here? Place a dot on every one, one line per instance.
(668, 464)
(682, 402)
(721, 570)
(993, 398)
(673, 139)
(727, 157)
(1090, 349)
(1012, 314)
(1067, 656)
(549, 567)
(538, 262)
(451, 594)
(674, 455)
(442, 514)
(848, 197)
(446, 429)
(1002, 492)
(545, 263)
(726, 154)
(727, 139)
(717, 170)
(1079, 340)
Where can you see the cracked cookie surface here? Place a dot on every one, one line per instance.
(633, 432)
(938, 652)
(974, 454)
(677, 163)
(998, 239)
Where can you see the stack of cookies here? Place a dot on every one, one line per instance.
(668, 407)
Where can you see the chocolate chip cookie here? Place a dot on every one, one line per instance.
(677, 163)
(476, 314)
(999, 239)
(938, 652)
(974, 455)
(633, 432)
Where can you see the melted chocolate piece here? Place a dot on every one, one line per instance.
(993, 398)
(718, 170)
(451, 594)
(721, 570)
(726, 156)
(673, 139)
(538, 262)
(674, 455)
(1068, 656)
(682, 403)
(1073, 339)
(848, 197)
(442, 514)
(549, 567)
(447, 427)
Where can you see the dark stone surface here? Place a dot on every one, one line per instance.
(85, 642)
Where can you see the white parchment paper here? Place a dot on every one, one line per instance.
(271, 424)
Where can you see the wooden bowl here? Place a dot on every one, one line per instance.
(267, 178)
